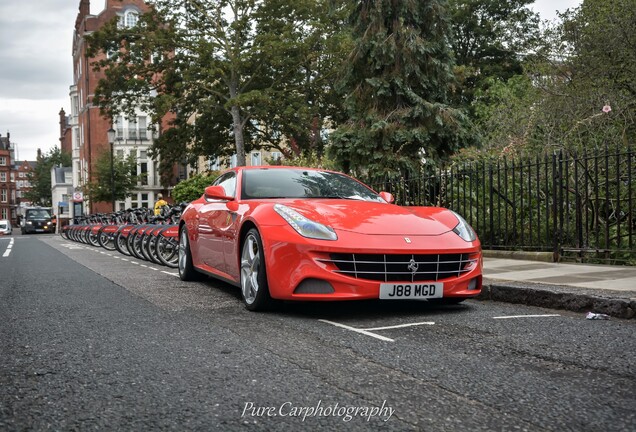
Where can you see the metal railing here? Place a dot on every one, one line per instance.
(576, 205)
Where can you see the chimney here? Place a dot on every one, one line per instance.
(84, 11)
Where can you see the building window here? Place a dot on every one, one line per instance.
(276, 156)
(256, 158)
(4, 213)
(144, 200)
(12, 177)
(132, 128)
(3, 161)
(214, 164)
(129, 19)
(233, 161)
(20, 174)
(3, 177)
(143, 128)
(143, 173)
(119, 127)
(120, 154)
(3, 197)
(143, 154)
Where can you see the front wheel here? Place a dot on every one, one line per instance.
(186, 268)
(254, 287)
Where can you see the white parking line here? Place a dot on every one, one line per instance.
(172, 274)
(526, 316)
(401, 326)
(353, 329)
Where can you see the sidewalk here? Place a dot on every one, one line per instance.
(577, 287)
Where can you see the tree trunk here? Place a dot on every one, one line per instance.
(238, 136)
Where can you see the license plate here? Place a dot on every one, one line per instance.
(39, 230)
(399, 291)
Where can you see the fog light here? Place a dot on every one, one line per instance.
(314, 286)
(472, 285)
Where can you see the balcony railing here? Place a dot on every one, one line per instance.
(135, 134)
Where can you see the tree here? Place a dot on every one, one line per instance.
(397, 84)
(236, 74)
(490, 39)
(192, 188)
(125, 178)
(40, 177)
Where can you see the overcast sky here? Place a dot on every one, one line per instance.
(36, 67)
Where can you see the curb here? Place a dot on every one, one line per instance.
(619, 305)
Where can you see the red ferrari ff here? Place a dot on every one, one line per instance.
(294, 233)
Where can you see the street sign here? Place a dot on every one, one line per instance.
(78, 196)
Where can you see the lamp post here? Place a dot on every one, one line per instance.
(111, 140)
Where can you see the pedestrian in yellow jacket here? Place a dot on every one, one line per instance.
(160, 203)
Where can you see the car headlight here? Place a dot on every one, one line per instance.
(29, 223)
(464, 230)
(305, 227)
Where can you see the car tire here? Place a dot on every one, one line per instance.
(254, 287)
(186, 268)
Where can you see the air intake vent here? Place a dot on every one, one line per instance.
(401, 268)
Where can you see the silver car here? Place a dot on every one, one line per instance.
(5, 227)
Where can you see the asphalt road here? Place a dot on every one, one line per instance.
(90, 341)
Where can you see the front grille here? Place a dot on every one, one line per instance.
(401, 268)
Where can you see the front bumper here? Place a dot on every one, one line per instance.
(289, 264)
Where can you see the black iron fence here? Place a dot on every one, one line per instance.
(579, 206)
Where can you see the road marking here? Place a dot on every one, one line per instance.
(400, 326)
(357, 330)
(173, 274)
(9, 249)
(134, 262)
(152, 268)
(143, 265)
(125, 259)
(526, 316)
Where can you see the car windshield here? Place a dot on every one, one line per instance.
(38, 214)
(299, 183)
(3, 225)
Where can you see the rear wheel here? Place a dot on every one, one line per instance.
(106, 240)
(186, 268)
(120, 244)
(254, 288)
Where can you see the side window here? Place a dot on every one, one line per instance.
(228, 181)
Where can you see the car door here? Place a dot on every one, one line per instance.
(215, 226)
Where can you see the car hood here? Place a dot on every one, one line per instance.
(366, 217)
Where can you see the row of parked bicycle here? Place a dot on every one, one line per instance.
(133, 232)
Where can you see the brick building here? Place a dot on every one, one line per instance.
(8, 204)
(66, 133)
(22, 183)
(86, 128)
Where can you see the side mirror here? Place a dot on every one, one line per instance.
(386, 196)
(216, 193)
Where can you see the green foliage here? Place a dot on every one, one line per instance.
(192, 188)
(309, 159)
(40, 177)
(249, 72)
(397, 84)
(101, 188)
(490, 38)
(578, 91)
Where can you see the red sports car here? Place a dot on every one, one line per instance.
(294, 233)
